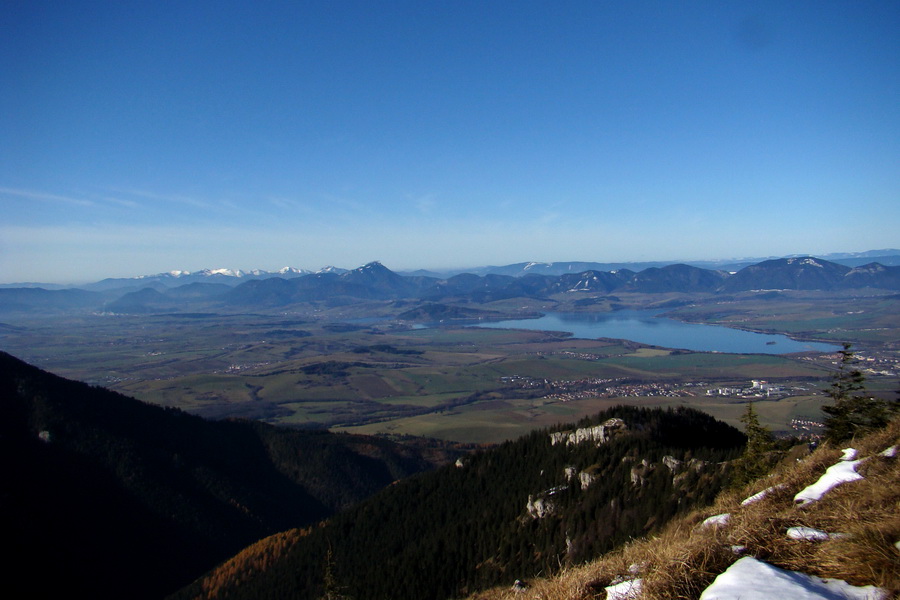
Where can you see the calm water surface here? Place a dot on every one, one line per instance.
(647, 327)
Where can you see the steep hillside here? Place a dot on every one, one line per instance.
(782, 536)
(106, 493)
(549, 499)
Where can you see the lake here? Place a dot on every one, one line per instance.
(647, 327)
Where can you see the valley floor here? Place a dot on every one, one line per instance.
(358, 368)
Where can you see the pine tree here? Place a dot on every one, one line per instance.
(333, 590)
(756, 460)
(854, 412)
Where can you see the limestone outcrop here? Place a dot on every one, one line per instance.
(598, 433)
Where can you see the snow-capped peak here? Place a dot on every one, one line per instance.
(225, 272)
(175, 274)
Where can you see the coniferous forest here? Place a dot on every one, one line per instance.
(117, 498)
(112, 496)
(465, 527)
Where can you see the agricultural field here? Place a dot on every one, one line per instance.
(356, 368)
(827, 316)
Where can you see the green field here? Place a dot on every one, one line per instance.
(460, 383)
(513, 418)
(827, 316)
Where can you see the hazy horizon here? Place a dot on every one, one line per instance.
(247, 270)
(144, 138)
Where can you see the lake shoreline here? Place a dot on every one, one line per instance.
(575, 325)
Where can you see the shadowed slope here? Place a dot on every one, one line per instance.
(111, 495)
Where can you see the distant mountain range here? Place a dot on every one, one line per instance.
(234, 277)
(374, 281)
(224, 276)
(887, 257)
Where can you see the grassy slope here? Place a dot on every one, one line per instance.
(685, 558)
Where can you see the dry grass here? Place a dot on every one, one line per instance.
(685, 558)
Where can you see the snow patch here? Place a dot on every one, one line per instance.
(531, 265)
(805, 261)
(849, 454)
(752, 579)
(225, 272)
(889, 452)
(292, 271)
(626, 590)
(841, 472)
(716, 520)
(760, 495)
(811, 534)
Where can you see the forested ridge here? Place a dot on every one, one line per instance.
(447, 533)
(113, 497)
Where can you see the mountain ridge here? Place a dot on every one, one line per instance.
(887, 257)
(375, 282)
(116, 494)
(524, 507)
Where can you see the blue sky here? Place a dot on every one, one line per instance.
(140, 137)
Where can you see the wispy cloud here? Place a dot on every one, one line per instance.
(347, 204)
(548, 218)
(174, 198)
(46, 197)
(425, 203)
(290, 205)
(122, 202)
(284, 203)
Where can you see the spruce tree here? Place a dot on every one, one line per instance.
(333, 590)
(756, 460)
(854, 412)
